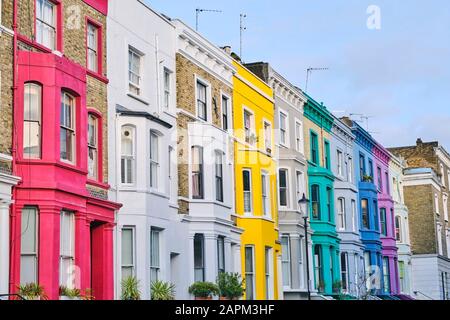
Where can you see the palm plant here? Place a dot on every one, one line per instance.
(32, 291)
(130, 289)
(161, 290)
(70, 294)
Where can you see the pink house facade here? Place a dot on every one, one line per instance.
(61, 221)
(390, 280)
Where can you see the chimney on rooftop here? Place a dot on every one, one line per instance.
(419, 142)
(227, 49)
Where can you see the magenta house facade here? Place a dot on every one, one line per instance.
(390, 274)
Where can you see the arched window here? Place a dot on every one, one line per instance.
(154, 159)
(67, 127)
(197, 172)
(127, 155)
(93, 146)
(32, 118)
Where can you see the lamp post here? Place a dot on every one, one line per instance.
(304, 211)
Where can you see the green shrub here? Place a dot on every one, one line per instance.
(230, 285)
(130, 289)
(203, 289)
(162, 291)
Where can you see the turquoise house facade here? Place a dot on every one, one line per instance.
(317, 128)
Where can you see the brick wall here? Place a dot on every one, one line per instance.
(420, 203)
(186, 88)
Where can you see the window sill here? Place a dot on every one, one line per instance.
(98, 184)
(135, 97)
(97, 76)
(35, 44)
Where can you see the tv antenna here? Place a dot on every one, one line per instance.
(363, 118)
(241, 37)
(197, 15)
(309, 71)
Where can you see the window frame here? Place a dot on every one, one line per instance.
(342, 214)
(284, 130)
(128, 157)
(137, 86)
(226, 111)
(383, 222)
(38, 121)
(340, 162)
(200, 173)
(250, 131)
(167, 88)
(221, 255)
(314, 148)
(57, 27)
(99, 144)
(131, 266)
(285, 188)
(70, 254)
(327, 147)
(286, 260)
(249, 192)
(265, 194)
(317, 201)
(99, 43)
(35, 253)
(268, 142)
(365, 216)
(155, 160)
(251, 273)
(218, 173)
(299, 137)
(344, 271)
(207, 103)
(155, 268)
(200, 237)
(72, 129)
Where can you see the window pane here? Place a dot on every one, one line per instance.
(29, 230)
(154, 248)
(28, 269)
(127, 247)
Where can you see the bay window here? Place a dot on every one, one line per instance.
(286, 260)
(29, 246)
(46, 21)
(265, 186)
(155, 264)
(219, 176)
(154, 160)
(249, 273)
(315, 201)
(32, 121)
(247, 184)
(127, 155)
(221, 254)
(283, 187)
(92, 146)
(67, 128)
(197, 172)
(341, 213)
(199, 258)
(128, 253)
(67, 247)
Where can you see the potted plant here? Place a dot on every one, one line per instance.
(203, 290)
(321, 286)
(337, 287)
(32, 291)
(88, 295)
(230, 285)
(161, 291)
(69, 294)
(130, 289)
(367, 178)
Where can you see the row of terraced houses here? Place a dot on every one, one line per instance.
(130, 145)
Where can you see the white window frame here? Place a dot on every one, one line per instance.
(341, 214)
(218, 175)
(284, 132)
(137, 86)
(52, 26)
(207, 85)
(345, 273)
(350, 169)
(252, 129)
(286, 170)
(249, 192)
(167, 87)
(27, 120)
(354, 215)
(268, 144)
(130, 159)
(34, 254)
(228, 109)
(201, 237)
(299, 137)
(286, 261)
(252, 273)
(69, 255)
(155, 166)
(268, 257)
(131, 266)
(71, 128)
(445, 203)
(300, 184)
(447, 237)
(436, 203)
(200, 173)
(92, 29)
(265, 192)
(442, 174)
(155, 266)
(221, 265)
(93, 147)
(340, 163)
(439, 236)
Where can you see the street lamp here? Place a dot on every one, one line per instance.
(304, 211)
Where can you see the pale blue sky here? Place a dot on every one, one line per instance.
(399, 74)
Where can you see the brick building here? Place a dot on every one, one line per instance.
(61, 219)
(426, 191)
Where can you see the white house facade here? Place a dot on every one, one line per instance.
(205, 156)
(346, 204)
(143, 149)
(401, 223)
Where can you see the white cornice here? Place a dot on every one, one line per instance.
(286, 91)
(204, 54)
(443, 156)
(418, 179)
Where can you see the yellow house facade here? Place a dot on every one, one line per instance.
(256, 184)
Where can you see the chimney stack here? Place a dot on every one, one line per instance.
(227, 49)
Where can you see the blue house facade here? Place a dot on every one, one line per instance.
(369, 222)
